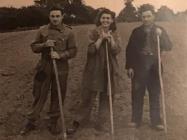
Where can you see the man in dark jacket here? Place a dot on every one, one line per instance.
(61, 38)
(142, 67)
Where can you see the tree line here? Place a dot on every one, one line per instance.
(131, 14)
(76, 12)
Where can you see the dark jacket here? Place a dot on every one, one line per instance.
(137, 42)
(95, 73)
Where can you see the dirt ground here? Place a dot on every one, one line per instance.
(17, 64)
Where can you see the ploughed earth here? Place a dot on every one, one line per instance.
(17, 63)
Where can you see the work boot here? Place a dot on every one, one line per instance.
(134, 125)
(100, 128)
(158, 127)
(74, 128)
(27, 128)
(54, 129)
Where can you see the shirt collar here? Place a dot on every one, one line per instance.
(151, 27)
(59, 27)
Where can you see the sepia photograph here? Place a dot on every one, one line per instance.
(93, 70)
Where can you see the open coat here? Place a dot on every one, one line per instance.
(95, 73)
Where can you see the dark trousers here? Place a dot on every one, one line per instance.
(41, 88)
(146, 77)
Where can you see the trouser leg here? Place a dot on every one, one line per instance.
(36, 91)
(139, 85)
(40, 92)
(139, 82)
(138, 92)
(154, 96)
(54, 106)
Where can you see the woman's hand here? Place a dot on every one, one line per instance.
(110, 39)
(106, 35)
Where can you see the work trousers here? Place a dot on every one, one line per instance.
(146, 77)
(43, 81)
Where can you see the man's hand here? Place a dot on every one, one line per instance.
(158, 31)
(55, 55)
(50, 43)
(130, 73)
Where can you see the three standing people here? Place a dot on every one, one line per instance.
(141, 64)
(142, 67)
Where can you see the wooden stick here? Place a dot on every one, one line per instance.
(161, 85)
(110, 93)
(60, 98)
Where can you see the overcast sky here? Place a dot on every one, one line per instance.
(115, 5)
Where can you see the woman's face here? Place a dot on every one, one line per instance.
(106, 20)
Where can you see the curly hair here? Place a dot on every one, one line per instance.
(113, 26)
(54, 8)
(146, 7)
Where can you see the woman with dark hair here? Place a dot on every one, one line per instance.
(112, 26)
(95, 100)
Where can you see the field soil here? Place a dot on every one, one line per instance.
(17, 63)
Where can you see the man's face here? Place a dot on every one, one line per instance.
(56, 17)
(147, 18)
(106, 20)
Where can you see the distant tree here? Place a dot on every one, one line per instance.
(165, 14)
(49, 3)
(181, 16)
(12, 18)
(129, 13)
(38, 2)
(32, 16)
(7, 18)
(76, 12)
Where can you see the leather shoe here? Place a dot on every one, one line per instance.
(134, 125)
(72, 130)
(28, 127)
(158, 127)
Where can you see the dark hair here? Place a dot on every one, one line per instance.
(113, 26)
(147, 7)
(56, 8)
